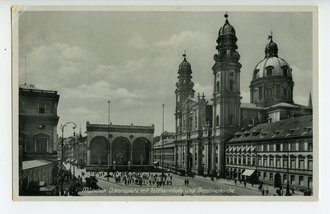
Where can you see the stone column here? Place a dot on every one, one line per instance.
(110, 152)
(131, 155)
(212, 157)
(88, 157)
(219, 160)
(186, 148)
(151, 157)
(174, 158)
(199, 156)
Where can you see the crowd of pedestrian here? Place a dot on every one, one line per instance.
(142, 179)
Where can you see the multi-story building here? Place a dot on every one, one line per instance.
(38, 122)
(207, 130)
(274, 153)
(164, 147)
(37, 137)
(74, 150)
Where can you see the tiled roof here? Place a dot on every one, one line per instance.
(249, 105)
(287, 105)
(289, 128)
(167, 142)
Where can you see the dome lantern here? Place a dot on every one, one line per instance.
(271, 49)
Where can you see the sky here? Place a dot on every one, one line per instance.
(132, 58)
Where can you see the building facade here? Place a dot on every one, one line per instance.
(119, 147)
(276, 153)
(210, 133)
(193, 118)
(163, 151)
(37, 139)
(38, 123)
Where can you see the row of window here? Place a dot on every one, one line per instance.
(269, 71)
(231, 85)
(39, 145)
(269, 92)
(294, 179)
(274, 147)
(42, 106)
(281, 162)
(292, 146)
(270, 176)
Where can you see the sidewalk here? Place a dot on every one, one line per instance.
(271, 189)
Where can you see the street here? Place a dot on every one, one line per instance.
(197, 186)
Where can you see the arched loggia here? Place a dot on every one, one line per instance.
(99, 147)
(121, 151)
(141, 151)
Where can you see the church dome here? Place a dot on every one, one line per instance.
(272, 81)
(272, 65)
(227, 29)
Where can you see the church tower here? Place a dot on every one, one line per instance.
(226, 96)
(184, 90)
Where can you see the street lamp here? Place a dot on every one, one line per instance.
(163, 141)
(287, 170)
(62, 128)
(62, 148)
(74, 157)
(108, 171)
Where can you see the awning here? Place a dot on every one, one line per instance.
(248, 172)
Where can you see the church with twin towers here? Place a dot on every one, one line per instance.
(208, 130)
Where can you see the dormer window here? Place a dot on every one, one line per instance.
(256, 73)
(246, 134)
(291, 131)
(285, 71)
(269, 71)
(255, 133)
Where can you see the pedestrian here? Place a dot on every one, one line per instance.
(244, 183)
(292, 189)
(263, 191)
